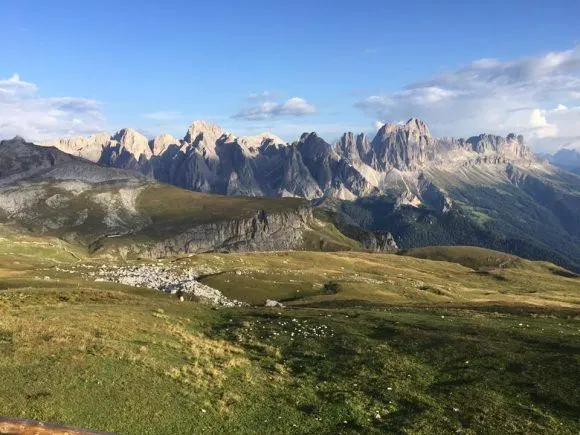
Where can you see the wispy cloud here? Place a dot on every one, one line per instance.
(493, 95)
(293, 107)
(264, 95)
(371, 50)
(24, 112)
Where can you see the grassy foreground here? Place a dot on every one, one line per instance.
(114, 358)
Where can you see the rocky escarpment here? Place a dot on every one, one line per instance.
(20, 159)
(265, 231)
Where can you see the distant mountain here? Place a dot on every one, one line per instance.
(568, 159)
(486, 190)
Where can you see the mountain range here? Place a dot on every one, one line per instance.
(208, 159)
(485, 190)
(565, 158)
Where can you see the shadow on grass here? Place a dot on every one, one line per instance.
(564, 273)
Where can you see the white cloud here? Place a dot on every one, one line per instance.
(264, 95)
(24, 112)
(495, 96)
(560, 108)
(540, 124)
(293, 107)
(377, 125)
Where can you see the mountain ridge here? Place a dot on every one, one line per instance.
(209, 159)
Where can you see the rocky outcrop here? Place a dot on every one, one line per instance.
(262, 232)
(161, 143)
(89, 148)
(405, 147)
(20, 159)
(128, 149)
(168, 279)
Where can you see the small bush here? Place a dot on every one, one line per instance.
(331, 288)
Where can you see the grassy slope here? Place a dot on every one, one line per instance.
(173, 208)
(172, 211)
(468, 256)
(299, 278)
(129, 360)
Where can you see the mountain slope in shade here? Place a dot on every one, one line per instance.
(568, 159)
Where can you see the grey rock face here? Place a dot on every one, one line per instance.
(20, 159)
(353, 147)
(405, 147)
(128, 149)
(211, 160)
(263, 232)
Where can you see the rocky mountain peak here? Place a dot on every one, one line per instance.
(402, 146)
(353, 146)
(511, 147)
(89, 148)
(16, 139)
(418, 127)
(271, 138)
(208, 132)
(134, 142)
(313, 146)
(260, 141)
(204, 137)
(161, 142)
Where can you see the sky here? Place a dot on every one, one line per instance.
(78, 67)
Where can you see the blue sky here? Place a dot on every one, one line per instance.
(71, 67)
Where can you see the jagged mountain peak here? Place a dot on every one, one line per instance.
(207, 130)
(511, 147)
(308, 136)
(128, 134)
(161, 142)
(87, 147)
(204, 137)
(402, 146)
(413, 127)
(16, 139)
(310, 145)
(353, 146)
(418, 125)
(254, 144)
(133, 141)
(271, 137)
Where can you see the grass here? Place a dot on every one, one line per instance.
(114, 358)
(468, 256)
(172, 209)
(300, 278)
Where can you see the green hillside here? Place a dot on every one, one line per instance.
(368, 343)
